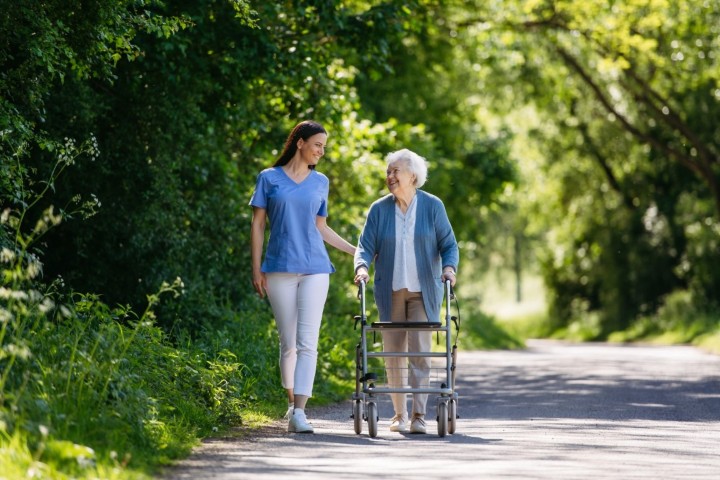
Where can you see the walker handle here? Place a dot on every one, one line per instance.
(449, 289)
(362, 318)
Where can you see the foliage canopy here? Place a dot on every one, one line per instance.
(579, 134)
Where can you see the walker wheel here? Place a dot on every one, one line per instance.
(358, 416)
(372, 419)
(452, 415)
(442, 418)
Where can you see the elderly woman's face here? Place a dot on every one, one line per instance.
(399, 178)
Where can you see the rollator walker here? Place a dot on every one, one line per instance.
(369, 384)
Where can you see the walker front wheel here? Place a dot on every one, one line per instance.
(452, 416)
(358, 416)
(372, 419)
(442, 418)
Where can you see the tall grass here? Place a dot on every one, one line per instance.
(93, 391)
(90, 391)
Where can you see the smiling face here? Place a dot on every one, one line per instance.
(312, 149)
(399, 179)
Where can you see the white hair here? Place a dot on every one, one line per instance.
(418, 165)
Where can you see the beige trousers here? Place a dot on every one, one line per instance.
(408, 307)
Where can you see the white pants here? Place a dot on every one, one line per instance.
(408, 307)
(297, 302)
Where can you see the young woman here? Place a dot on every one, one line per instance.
(295, 272)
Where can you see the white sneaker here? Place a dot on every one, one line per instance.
(418, 425)
(299, 424)
(399, 423)
(288, 414)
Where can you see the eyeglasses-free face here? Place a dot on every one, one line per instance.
(313, 149)
(399, 178)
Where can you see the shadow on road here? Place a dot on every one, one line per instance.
(616, 391)
(555, 411)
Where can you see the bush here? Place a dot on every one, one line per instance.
(90, 389)
(681, 319)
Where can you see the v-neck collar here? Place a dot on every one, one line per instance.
(410, 207)
(292, 180)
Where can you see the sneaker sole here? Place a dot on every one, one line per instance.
(292, 429)
(301, 431)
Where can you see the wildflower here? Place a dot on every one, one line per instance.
(46, 305)
(34, 268)
(5, 315)
(34, 296)
(94, 149)
(7, 255)
(19, 351)
(67, 153)
(8, 294)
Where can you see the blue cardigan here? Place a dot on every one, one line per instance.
(435, 248)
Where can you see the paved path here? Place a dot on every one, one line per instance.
(553, 411)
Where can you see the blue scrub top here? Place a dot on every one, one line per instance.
(295, 244)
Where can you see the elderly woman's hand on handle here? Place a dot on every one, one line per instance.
(361, 274)
(449, 274)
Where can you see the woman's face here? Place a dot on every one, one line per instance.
(398, 178)
(312, 149)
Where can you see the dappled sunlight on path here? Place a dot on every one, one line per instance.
(554, 411)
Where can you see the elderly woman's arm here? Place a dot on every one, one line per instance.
(447, 245)
(367, 246)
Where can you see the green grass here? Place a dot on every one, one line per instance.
(497, 319)
(678, 321)
(709, 342)
(89, 391)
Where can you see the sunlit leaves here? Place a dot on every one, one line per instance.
(623, 91)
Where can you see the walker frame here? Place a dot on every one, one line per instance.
(364, 400)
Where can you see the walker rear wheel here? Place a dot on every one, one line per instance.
(442, 418)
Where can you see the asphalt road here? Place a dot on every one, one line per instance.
(553, 411)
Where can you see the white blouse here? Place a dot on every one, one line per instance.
(405, 274)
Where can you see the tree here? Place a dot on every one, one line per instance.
(621, 92)
(184, 128)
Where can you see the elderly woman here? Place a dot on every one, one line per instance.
(408, 235)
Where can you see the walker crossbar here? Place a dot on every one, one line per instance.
(406, 325)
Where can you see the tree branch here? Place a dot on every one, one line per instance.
(602, 161)
(671, 118)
